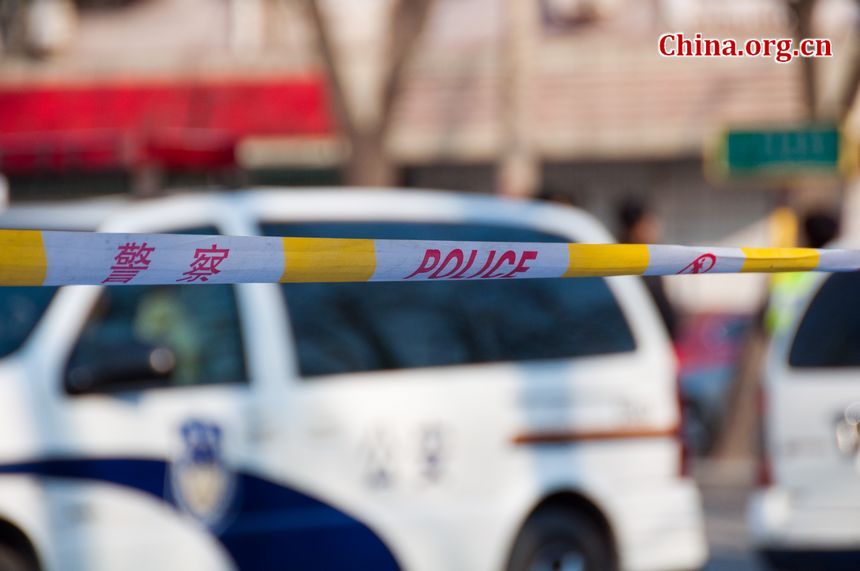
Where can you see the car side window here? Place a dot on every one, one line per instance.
(829, 334)
(353, 327)
(159, 336)
(21, 308)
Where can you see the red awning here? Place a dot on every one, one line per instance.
(173, 124)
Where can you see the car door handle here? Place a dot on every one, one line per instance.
(848, 430)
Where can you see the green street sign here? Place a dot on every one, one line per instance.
(778, 153)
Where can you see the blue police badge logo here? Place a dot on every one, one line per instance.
(203, 486)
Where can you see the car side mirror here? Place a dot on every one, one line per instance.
(131, 365)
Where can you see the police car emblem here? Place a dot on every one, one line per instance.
(203, 486)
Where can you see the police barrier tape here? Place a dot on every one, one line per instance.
(33, 257)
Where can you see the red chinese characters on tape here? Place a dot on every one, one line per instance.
(459, 264)
(701, 265)
(131, 259)
(205, 264)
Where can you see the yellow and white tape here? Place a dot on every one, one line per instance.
(33, 257)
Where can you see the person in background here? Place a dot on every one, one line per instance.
(819, 228)
(740, 433)
(640, 225)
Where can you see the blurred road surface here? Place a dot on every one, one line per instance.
(725, 489)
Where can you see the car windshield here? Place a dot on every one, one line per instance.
(20, 311)
(829, 335)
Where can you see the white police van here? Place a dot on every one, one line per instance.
(806, 512)
(528, 424)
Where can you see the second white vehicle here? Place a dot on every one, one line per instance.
(806, 513)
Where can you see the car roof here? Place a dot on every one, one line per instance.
(82, 215)
(375, 204)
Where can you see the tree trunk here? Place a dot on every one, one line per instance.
(369, 164)
(738, 437)
(802, 13)
(849, 93)
(519, 169)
